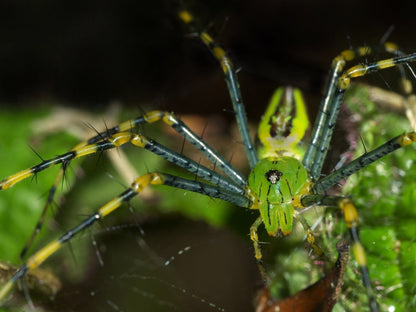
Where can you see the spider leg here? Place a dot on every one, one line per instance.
(101, 145)
(100, 142)
(364, 160)
(125, 126)
(136, 187)
(232, 83)
(337, 85)
(351, 220)
(310, 238)
(257, 250)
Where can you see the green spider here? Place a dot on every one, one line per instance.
(284, 181)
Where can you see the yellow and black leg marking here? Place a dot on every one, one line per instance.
(137, 186)
(232, 83)
(97, 143)
(117, 137)
(235, 95)
(338, 83)
(346, 205)
(351, 220)
(365, 160)
(310, 237)
(257, 250)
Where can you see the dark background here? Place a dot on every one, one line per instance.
(89, 53)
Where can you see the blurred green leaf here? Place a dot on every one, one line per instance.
(383, 195)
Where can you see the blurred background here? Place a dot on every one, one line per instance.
(88, 54)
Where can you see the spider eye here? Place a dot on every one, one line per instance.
(273, 176)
